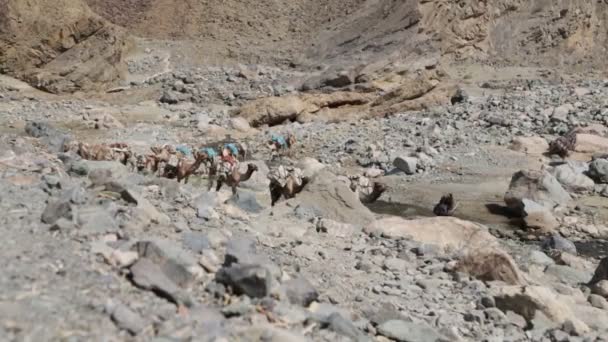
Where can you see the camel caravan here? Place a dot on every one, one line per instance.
(220, 161)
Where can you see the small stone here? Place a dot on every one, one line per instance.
(601, 288)
(556, 242)
(516, 319)
(251, 280)
(409, 331)
(63, 224)
(575, 327)
(196, 241)
(598, 301)
(395, 264)
(300, 291)
(406, 164)
(125, 318)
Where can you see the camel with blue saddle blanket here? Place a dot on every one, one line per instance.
(280, 144)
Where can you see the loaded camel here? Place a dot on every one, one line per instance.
(564, 144)
(185, 167)
(368, 191)
(233, 178)
(288, 189)
(280, 144)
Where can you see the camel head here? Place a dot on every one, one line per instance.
(380, 187)
(252, 168)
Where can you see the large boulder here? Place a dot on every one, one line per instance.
(538, 186)
(590, 143)
(310, 167)
(571, 176)
(334, 200)
(449, 233)
(598, 170)
(272, 110)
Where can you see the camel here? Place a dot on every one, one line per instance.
(185, 167)
(446, 206)
(367, 190)
(234, 178)
(564, 144)
(377, 190)
(282, 144)
(165, 156)
(288, 190)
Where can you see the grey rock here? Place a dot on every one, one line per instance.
(516, 319)
(55, 210)
(196, 241)
(149, 276)
(409, 331)
(598, 301)
(540, 258)
(50, 136)
(63, 224)
(572, 177)
(495, 315)
(406, 164)
(385, 313)
(395, 264)
(345, 327)
(307, 212)
(300, 291)
(240, 250)
(96, 220)
(598, 170)
(125, 318)
(251, 280)
(538, 186)
(240, 308)
(205, 205)
(556, 242)
(173, 261)
(568, 274)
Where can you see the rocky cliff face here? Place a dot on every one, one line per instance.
(59, 46)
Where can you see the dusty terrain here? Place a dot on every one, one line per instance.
(429, 97)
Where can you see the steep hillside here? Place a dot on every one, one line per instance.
(512, 31)
(59, 46)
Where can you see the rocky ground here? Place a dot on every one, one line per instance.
(426, 97)
(95, 251)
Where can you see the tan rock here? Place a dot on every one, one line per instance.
(449, 233)
(530, 145)
(601, 288)
(589, 143)
(526, 300)
(272, 110)
(491, 265)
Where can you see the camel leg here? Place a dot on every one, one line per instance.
(234, 192)
(275, 195)
(219, 184)
(211, 179)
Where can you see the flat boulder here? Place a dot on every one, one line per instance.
(339, 203)
(529, 145)
(448, 233)
(590, 143)
(538, 186)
